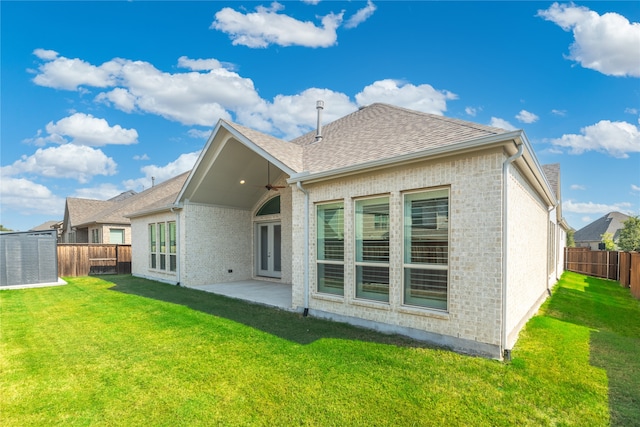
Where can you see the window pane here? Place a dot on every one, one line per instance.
(372, 282)
(162, 237)
(116, 236)
(372, 230)
(270, 207)
(331, 278)
(426, 288)
(264, 247)
(172, 263)
(277, 264)
(172, 237)
(331, 232)
(426, 243)
(152, 237)
(153, 261)
(163, 261)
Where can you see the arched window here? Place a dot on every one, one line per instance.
(270, 207)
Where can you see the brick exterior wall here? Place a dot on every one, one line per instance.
(475, 274)
(140, 255)
(527, 276)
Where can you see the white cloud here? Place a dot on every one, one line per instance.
(141, 157)
(635, 188)
(121, 98)
(472, 111)
(161, 173)
(266, 26)
(361, 15)
(203, 97)
(296, 114)
(199, 64)
(27, 197)
(99, 192)
(501, 123)
(65, 73)
(48, 55)
(633, 111)
(84, 129)
(594, 208)
(199, 134)
(420, 98)
(77, 162)
(578, 187)
(560, 113)
(614, 138)
(526, 117)
(606, 43)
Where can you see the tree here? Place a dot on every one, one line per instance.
(571, 243)
(629, 239)
(3, 228)
(609, 244)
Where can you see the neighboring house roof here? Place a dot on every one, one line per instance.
(147, 199)
(123, 196)
(49, 225)
(612, 223)
(81, 211)
(84, 212)
(382, 131)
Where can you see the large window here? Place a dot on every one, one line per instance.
(372, 249)
(159, 249)
(426, 248)
(330, 248)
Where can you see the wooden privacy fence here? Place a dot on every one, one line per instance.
(623, 267)
(84, 259)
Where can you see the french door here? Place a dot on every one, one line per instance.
(268, 257)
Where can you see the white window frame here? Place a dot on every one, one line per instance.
(163, 253)
(322, 262)
(376, 225)
(441, 223)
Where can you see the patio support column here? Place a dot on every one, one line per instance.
(306, 248)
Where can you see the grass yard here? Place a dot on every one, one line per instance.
(128, 351)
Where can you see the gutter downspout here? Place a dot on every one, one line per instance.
(306, 248)
(505, 233)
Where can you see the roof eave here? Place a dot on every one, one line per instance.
(153, 211)
(431, 153)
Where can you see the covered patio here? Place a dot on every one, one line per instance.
(255, 291)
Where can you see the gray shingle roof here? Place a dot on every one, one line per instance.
(552, 172)
(113, 212)
(610, 223)
(382, 131)
(287, 153)
(81, 211)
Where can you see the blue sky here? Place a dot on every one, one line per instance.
(98, 97)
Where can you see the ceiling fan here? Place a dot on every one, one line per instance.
(269, 186)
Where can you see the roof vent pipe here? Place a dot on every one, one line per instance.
(319, 107)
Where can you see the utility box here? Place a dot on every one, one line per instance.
(28, 258)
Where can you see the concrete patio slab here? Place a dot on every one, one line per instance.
(256, 291)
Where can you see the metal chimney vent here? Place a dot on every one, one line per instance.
(319, 107)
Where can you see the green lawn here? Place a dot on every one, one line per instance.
(127, 351)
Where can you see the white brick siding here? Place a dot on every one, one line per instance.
(475, 246)
(527, 278)
(140, 256)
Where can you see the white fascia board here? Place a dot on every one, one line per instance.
(532, 164)
(430, 153)
(212, 136)
(147, 212)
